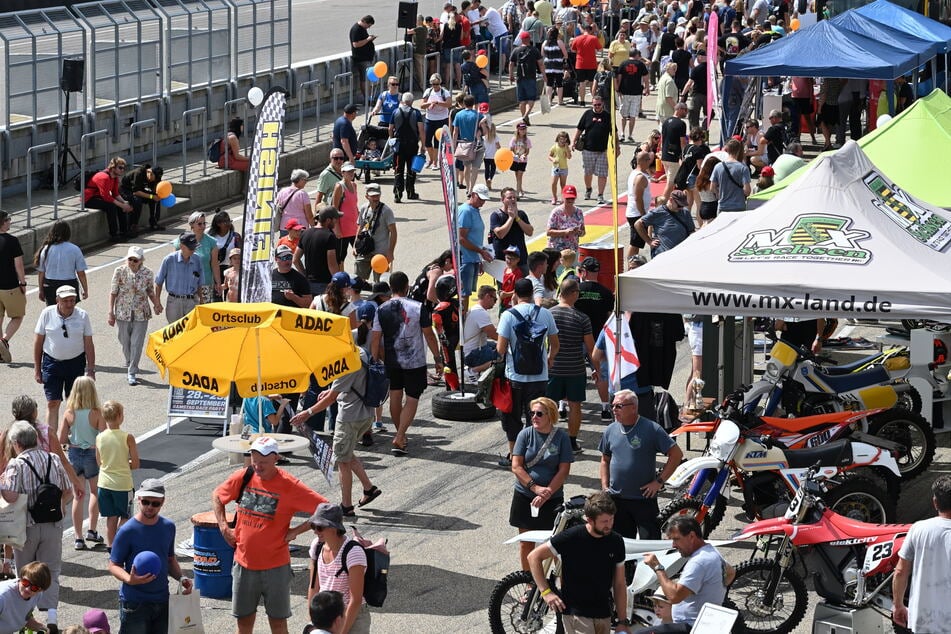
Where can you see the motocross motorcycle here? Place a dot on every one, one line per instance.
(907, 435)
(851, 563)
(517, 607)
(769, 474)
(793, 384)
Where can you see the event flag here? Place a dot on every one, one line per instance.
(262, 192)
(447, 171)
(713, 36)
(629, 362)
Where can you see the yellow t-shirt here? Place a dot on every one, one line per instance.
(560, 154)
(620, 52)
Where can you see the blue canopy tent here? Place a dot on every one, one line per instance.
(855, 22)
(907, 21)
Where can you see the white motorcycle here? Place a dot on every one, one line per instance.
(517, 607)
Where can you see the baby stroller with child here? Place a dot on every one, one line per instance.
(374, 150)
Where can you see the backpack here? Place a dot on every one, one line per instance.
(668, 413)
(214, 150)
(471, 75)
(48, 506)
(528, 343)
(374, 579)
(81, 180)
(420, 286)
(525, 63)
(376, 387)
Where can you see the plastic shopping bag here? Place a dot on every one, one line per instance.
(184, 612)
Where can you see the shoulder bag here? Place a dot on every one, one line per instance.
(364, 244)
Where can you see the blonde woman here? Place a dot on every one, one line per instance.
(82, 422)
(207, 253)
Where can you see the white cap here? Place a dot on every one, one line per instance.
(264, 445)
(481, 191)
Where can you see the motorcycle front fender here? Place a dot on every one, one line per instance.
(684, 473)
(777, 526)
(534, 537)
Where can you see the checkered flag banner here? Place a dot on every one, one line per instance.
(259, 210)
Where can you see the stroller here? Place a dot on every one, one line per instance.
(382, 137)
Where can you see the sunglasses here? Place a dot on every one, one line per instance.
(153, 503)
(336, 158)
(121, 168)
(29, 585)
(620, 405)
(537, 413)
(65, 332)
(132, 259)
(285, 258)
(393, 84)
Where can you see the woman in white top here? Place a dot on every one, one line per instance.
(59, 262)
(436, 102)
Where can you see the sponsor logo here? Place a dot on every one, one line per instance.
(754, 455)
(923, 225)
(306, 322)
(853, 541)
(173, 330)
(271, 387)
(815, 237)
(332, 370)
(235, 318)
(207, 383)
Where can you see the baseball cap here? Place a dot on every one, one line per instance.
(135, 252)
(328, 515)
(293, 224)
(679, 197)
(481, 51)
(264, 445)
(521, 125)
(380, 289)
(768, 171)
(645, 20)
(342, 280)
(569, 191)
(366, 311)
(233, 252)
(681, 20)
(188, 240)
(328, 212)
(373, 189)
(96, 621)
(483, 108)
(348, 167)
(591, 264)
(351, 108)
(481, 191)
(283, 251)
(66, 291)
(525, 35)
(151, 488)
(513, 250)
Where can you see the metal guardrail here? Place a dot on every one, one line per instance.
(83, 163)
(502, 47)
(203, 112)
(333, 87)
(133, 129)
(425, 80)
(52, 145)
(314, 85)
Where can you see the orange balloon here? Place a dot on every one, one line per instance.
(163, 189)
(794, 24)
(482, 61)
(438, 134)
(504, 159)
(379, 263)
(379, 69)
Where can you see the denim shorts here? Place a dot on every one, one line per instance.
(84, 461)
(559, 171)
(477, 357)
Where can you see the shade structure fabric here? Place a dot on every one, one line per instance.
(218, 344)
(842, 241)
(907, 148)
(908, 21)
(825, 50)
(854, 21)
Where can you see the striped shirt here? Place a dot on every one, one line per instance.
(573, 325)
(20, 478)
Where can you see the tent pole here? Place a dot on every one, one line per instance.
(721, 368)
(747, 352)
(257, 341)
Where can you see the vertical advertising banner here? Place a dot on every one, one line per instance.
(260, 206)
(713, 59)
(447, 172)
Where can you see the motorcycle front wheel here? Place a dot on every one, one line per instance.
(912, 432)
(859, 498)
(690, 507)
(516, 607)
(748, 592)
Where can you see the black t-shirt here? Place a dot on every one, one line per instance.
(137, 181)
(597, 302)
(597, 129)
(732, 44)
(515, 236)
(631, 73)
(406, 126)
(290, 281)
(904, 92)
(776, 137)
(526, 60)
(10, 249)
(587, 570)
(699, 76)
(315, 243)
(671, 133)
(668, 42)
(363, 53)
(682, 58)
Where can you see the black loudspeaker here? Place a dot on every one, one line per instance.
(74, 74)
(406, 18)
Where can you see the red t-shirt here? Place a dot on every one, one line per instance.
(264, 515)
(586, 46)
(508, 284)
(466, 38)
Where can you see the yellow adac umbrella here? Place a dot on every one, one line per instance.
(262, 348)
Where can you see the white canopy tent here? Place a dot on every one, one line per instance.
(842, 241)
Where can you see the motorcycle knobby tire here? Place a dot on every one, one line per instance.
(501, 622)
(908, 429)
(690, 507)
(747, 590)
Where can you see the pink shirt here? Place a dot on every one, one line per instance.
(802, 87)
(348, 207)
(327, 572)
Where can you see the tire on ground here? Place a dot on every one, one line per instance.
(459, 406)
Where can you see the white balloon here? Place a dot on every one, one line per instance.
(255, 96)
(882, 120)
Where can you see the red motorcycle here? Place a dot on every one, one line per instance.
(851, 563)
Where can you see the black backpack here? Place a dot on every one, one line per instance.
(374, 579)
(48, 506)
(528, 343)
(214, 150)
(420, 286)
(668, 413)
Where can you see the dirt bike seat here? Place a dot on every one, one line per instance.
(837, 453)
(874, 375)
(848, 368)
(806, 424)
(851, 528)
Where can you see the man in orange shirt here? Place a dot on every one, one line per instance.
(266, 502)
(586, 47)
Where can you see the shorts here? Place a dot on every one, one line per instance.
(413, 382)
(12, 303)
(803, 105)
(248, 586)
(595, 163)
(694, 331)
(559, 171)
(585, 74)
(575, 624)
(670, 168)
(468, 275)
(526, 90)
(828, 115)
(554, 80)
(630, 106)
(449, 56)
(346, 436)
(691, 180)
(431, 127)
(520, 513)
(84, 462)
(115, 503)
(482, 355)
(58, 376)
(636, 239)
(571, 388)
(519, 166)
(708, 210)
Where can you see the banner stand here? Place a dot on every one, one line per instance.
(204, 409)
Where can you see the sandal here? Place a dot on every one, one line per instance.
(399, 450)
(348, 511)
(369, 495)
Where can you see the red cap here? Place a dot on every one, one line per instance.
(768, 171)
(484, 108)
(481, 51)
(569, 191)
(293, 224)
(525, 35)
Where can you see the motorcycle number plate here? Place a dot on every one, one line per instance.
(875, 554)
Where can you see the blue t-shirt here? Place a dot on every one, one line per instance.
(471, 219)
(527, 445)
(628, 382)
(671, 228)
(250, 410)
(704, 574)
(343, 129)
(390, 103)
(633, 452)
(133, 538)
(466, 121)
(507, 323)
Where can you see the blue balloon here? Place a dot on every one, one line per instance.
(168, 201)
(147, 563)
(371, 76)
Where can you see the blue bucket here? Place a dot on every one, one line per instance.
(418, 162)
(213, 558)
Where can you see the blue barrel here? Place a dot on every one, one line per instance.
(212, 557)
(419, 161)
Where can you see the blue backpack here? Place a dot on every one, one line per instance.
(528, 343)
(376, 388)
(214, 150)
